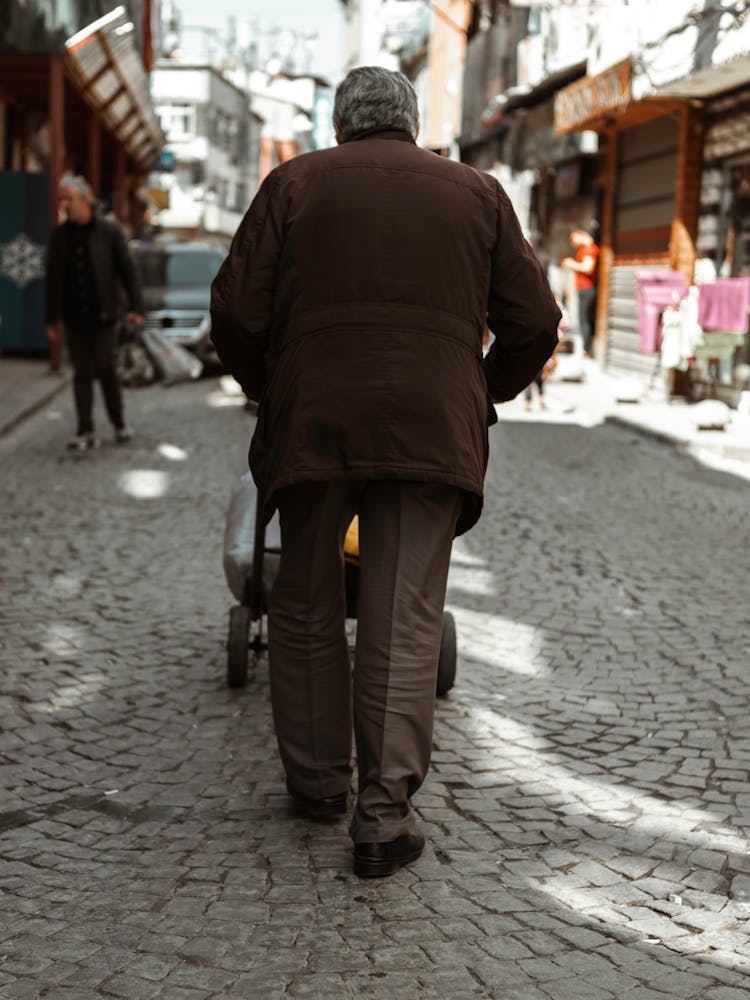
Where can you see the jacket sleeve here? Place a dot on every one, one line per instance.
(242, 294)
(128, 272)
(53, 285)
(521, 311)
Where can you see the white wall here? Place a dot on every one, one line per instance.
(179, 85)
(203, 191)
(643, 27)
(365, 30)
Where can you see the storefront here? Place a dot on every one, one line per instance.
(722, 365)
(650, 203)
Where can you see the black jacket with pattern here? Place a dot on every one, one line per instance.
(112, 265)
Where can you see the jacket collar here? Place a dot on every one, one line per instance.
(383, 133)
(86, 226)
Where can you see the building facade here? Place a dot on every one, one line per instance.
(668, 87)
(635, 116)
(518, 58)
(210, 171)
(427, 42)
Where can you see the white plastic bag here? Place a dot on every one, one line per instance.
(239, 539)
(173, 362)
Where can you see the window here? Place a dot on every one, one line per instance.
(177, 120)
(198, 268)
(162, 268)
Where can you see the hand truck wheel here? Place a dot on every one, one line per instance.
(237, 645)
(446, 677)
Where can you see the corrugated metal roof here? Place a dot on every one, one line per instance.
(103, 60)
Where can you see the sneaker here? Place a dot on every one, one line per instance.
(123, 435)
(82, 442)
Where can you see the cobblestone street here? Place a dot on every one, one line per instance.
(588, 807)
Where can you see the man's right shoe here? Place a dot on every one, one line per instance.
(380, 859)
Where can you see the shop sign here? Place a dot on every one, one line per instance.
(584, 102)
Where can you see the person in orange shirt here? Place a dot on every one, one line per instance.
(585, 266)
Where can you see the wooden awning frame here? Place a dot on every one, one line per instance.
(105, 51)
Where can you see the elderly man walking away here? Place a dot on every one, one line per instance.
(352, 306)
(87, 266)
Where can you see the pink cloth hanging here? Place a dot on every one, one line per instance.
(724, 304)
(655, 290)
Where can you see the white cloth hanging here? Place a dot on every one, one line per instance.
(681, 333)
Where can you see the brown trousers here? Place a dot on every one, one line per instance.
(406, 532)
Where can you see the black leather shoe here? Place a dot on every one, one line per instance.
(386, 857)
(328, 808)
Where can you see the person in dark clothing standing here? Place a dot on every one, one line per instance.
(352, 306)
(87, 265)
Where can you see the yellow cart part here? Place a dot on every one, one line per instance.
(351, 542)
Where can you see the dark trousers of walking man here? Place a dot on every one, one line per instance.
(92, 355)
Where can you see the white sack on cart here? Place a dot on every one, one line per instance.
(173, 362)
(239, 539)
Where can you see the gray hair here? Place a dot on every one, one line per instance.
(371, 97)
(80, 185)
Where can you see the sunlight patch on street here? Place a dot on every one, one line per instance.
(62, 640)
(172, 452)
(721, 463)
(219, 399)
(144, 484)
(561, 407)
(462, 556)
(77, 692)
(471, 580)
(497, 642)
(469, 573)
(229, 393)
(65, 585)
(600, 798)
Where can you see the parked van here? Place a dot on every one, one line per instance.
(176, 280)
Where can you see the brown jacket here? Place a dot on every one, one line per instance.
(352, 305)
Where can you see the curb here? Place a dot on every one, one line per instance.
(735, 452)
(38, 404)
(664, 437)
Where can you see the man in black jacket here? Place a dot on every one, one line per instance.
(87, 263)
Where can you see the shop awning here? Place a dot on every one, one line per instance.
(104, 62)
(711, 80)
(503, 104)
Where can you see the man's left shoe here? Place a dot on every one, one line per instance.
(327, 808)
(123, 435)
(383, 858)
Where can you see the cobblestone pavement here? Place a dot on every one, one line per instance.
(588, 807)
